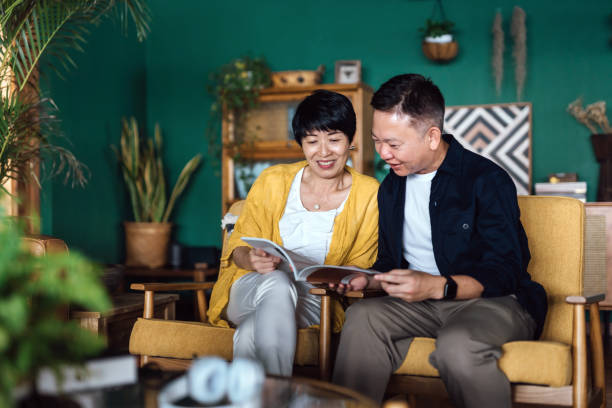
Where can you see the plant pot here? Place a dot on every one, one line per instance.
(146, 243)
(440, 51)
(602, 147)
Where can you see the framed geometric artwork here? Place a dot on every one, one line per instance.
(501, 133)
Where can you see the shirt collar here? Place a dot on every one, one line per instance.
(452, 161)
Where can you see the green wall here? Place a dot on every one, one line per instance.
(568, 56)
(110, 82)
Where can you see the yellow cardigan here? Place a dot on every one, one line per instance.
(354, 239)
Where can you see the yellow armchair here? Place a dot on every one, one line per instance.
(553, 369)
(173, 344)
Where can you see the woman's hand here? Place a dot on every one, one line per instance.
(262, 262)
(253, 259)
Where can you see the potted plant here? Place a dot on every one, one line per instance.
(33, 334)
(594, 117)
(438, 41)
(143, 172)
(235, 87)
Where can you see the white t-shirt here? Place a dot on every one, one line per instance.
(416, 243)
(307, 233)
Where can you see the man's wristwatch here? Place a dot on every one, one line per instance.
(450, 288)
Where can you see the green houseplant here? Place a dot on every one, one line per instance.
(32, 291)
(143, 173)
(438, 41)
(434, 29)
(235, 87)
(45, 32)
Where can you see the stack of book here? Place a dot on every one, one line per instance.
(576, 189)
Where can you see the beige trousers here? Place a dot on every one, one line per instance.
(469, 334)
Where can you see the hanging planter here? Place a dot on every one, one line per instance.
(439, 43)
(440, 49)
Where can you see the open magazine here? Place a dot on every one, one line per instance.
(302, 268)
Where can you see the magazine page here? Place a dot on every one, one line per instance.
(291, 262)
(331, 273)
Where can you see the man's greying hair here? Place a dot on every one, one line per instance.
(412, 95)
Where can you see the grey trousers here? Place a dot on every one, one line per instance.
(267, 310)
(469, 334)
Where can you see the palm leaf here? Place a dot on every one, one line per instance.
(32, 29)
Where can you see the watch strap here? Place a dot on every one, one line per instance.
(450, 289)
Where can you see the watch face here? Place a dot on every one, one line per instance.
(450, 288)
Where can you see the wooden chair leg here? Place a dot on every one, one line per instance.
(202, 306)
(149, 304)
(325, 338)
(579, 351)
(599, 377)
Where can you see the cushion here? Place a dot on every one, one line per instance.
(42, 244)
(179, 339)
(533, 362)
(556, 263)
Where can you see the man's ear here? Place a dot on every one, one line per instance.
(434, 136)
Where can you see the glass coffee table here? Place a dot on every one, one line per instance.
(295, 392)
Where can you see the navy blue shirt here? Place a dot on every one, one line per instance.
(475, 228)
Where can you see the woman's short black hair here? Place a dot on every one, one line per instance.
(324, 110)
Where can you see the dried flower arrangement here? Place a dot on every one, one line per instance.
(497, 60)
(592, 116)
(518, 30)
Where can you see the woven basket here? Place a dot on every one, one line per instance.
(283, 79)
(440, 52)
(146, 243)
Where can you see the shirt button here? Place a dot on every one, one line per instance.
(465, 226)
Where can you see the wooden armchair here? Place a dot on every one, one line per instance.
(173, 344)
(554, 369)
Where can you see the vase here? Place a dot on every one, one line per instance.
(602, 147)
(146, 243)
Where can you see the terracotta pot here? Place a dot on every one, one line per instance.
(147, 243)
(440, 51)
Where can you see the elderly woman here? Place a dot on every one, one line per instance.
(318, 208)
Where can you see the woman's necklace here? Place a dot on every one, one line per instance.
(323, 197)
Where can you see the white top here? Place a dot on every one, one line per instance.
(307, 233)
(416, 243)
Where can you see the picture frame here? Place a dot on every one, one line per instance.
(348, 72)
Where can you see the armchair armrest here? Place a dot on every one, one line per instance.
(171, 287)
(357, 294)
(150, 289)
(585, 299)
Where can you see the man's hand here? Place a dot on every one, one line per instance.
(411, 285)
(262, 262)
(359, 282)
